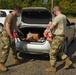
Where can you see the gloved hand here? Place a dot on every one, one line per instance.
(21, 35)
(12, 40)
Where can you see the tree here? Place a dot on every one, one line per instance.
(68, 8)
(3, 4)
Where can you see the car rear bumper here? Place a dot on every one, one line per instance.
(32, 47)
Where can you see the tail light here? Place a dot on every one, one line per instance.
(15, 35)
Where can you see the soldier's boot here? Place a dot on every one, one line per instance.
(17, 60)
(3, 67)
(68, 62)
(51, 69)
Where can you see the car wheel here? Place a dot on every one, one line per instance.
(1, 27)
(65, 46)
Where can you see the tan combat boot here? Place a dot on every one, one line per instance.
(17, 60)
(68, 62)
(51, 69)
(3, 67)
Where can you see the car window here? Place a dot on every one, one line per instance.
(2, 14)
(38, 14)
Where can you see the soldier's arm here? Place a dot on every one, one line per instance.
(54, 22)
(8, 30)
(17, 29)
(51, 26)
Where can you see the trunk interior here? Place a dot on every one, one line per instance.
(37, 34)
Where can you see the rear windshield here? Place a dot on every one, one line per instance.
(36, 16)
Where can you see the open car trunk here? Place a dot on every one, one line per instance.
(36, 16)
(37, 34)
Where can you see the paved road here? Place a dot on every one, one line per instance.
(36, 64)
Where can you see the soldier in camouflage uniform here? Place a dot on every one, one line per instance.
(59, 26)
(7, 42)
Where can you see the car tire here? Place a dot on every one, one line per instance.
(65, 46)
(1, 27)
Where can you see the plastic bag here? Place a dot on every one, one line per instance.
(48, 34)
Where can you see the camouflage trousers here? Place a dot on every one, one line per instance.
(7, 47)
(56, 49)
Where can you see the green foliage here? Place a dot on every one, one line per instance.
(56, 2)
(68, 6)
(3, 4)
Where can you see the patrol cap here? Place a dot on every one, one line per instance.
(56, 8)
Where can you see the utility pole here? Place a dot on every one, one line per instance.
(51, 5)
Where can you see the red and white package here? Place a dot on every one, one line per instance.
(48, 34)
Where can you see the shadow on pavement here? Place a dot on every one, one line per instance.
(62, 65)
(72, 54)
(31, 57)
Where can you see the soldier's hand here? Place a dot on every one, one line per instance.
(12, 40)
(45, 33)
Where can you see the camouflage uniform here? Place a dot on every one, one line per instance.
(58, 40)
(56, 49)
(6, 45)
